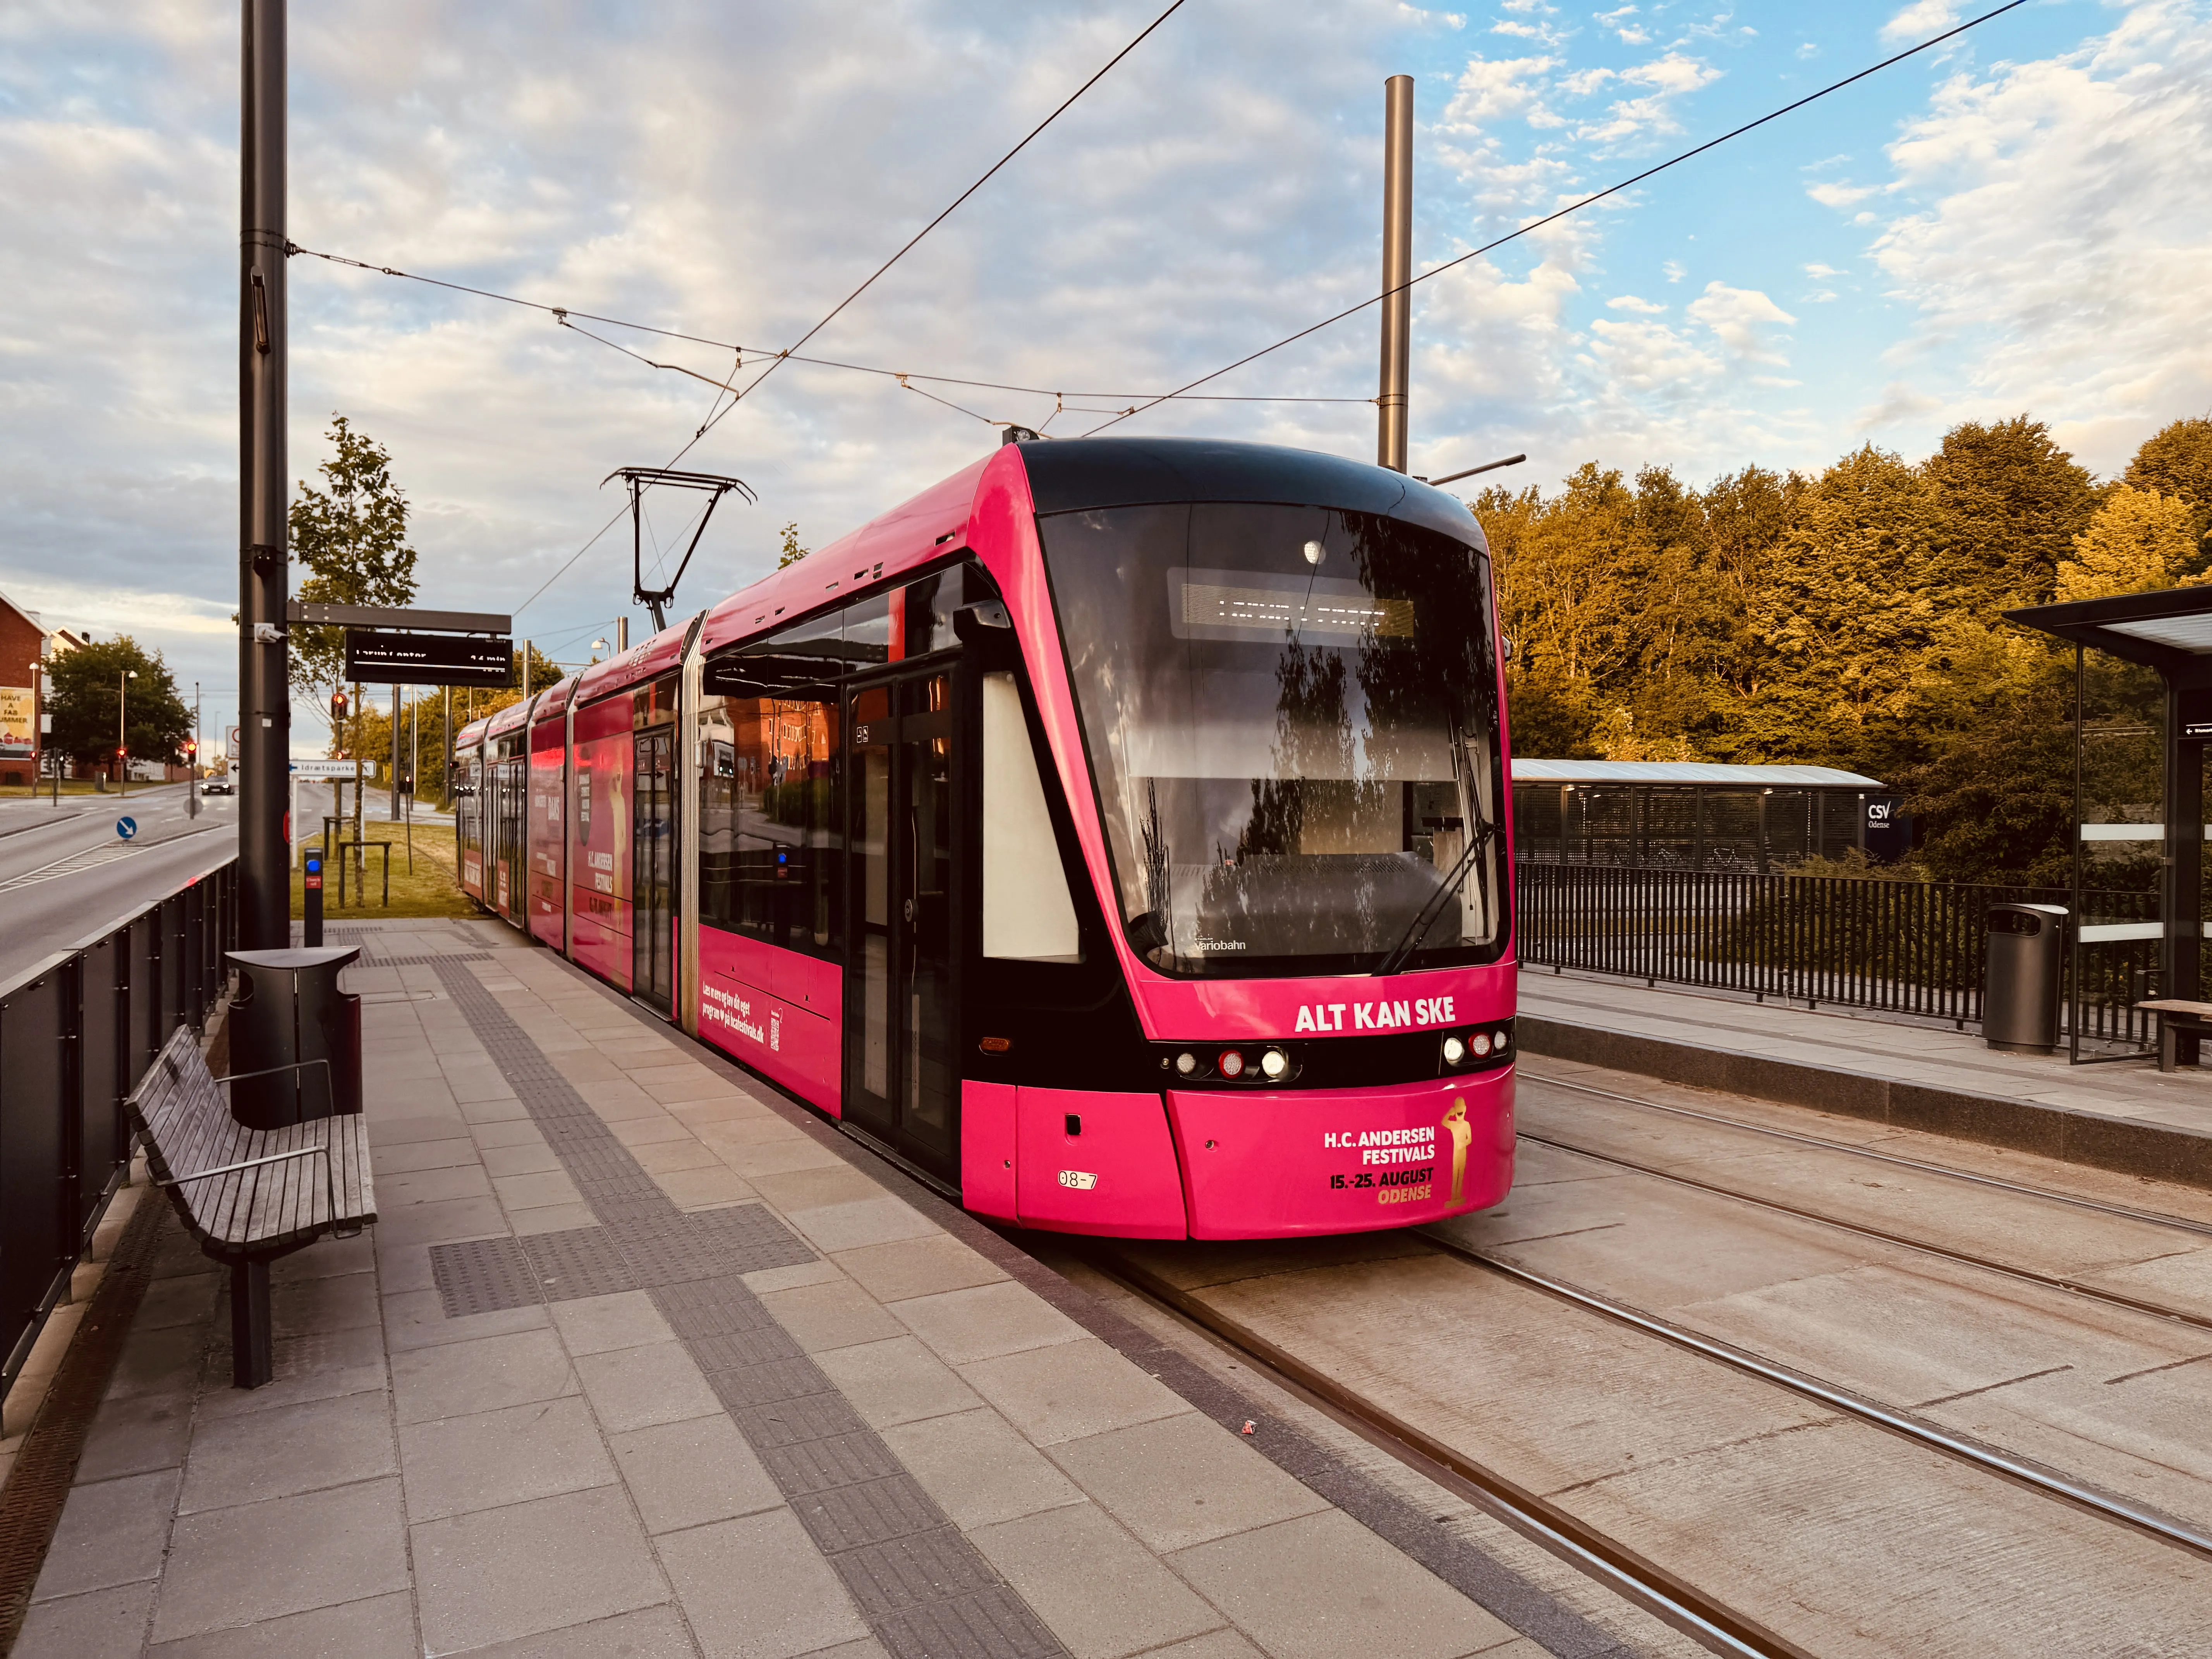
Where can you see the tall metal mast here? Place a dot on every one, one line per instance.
(1390, 417)
(263, 578)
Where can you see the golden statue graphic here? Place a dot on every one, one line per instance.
(1456, 1126)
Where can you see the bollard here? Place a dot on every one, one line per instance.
(312, 889)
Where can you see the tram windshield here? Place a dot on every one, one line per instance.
(1292, 715)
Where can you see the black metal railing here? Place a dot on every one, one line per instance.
(76, 1033)
(1907, 947)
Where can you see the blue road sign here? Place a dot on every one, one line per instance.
(126, 827)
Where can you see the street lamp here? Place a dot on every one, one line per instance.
(122, 742)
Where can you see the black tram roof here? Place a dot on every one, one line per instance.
(1071, 474)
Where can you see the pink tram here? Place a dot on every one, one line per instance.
(1116, 834)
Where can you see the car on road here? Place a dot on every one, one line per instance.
(217, 787)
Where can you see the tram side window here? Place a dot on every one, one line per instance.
(1028, 914)
(771, 852)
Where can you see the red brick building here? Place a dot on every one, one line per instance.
(22, 643)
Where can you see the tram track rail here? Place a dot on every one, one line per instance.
(2122, 1211)
(1645, 1583)
(1966, 1258)
(2051, 1483)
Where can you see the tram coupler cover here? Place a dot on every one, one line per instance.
(294, 1036)
(2019, 986)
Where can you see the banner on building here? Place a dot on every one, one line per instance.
(19, 722)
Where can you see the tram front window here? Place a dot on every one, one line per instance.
(1292, 714)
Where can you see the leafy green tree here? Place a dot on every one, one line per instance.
(352, 537)
(2176, 460)
(792, 552)
(2008, 503)
(83, 688)
(2139, 541)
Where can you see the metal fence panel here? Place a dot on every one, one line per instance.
(75, 1037)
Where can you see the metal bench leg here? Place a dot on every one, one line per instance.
(253, 1360)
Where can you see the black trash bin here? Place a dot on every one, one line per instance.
(286, 1013)
(2019, 989)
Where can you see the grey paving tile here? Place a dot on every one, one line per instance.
(111, 1532)
(789, 1279)
(838, 1182)
(1100, 1591)
(687, 1474)
(650, 1634)
(1322, 1585)
(327, 1257)
(165, 1361)
(1231, 1644)
(530, 1192)
(509, 1132)
(317, 1367)
(184, 1300)
(1181, 1480)
(917, 1267)
(456, 1379)
(402, 1267)
(416, 1319)
(454, 1180)
(341, 1302)
(666, 1156)
(978, 1469)
(288, 1450)
(496, 1575)
(254, 1562)
(706, 1188)
(633, 1388)
(757, 1586)
(983, 1321)
(405, 1131)
(895, 1381)
(380, 1627)
(528, 1158)
(102, 1623)
(879, 1219)
(135, 1436)
(442, 1224)
(1070, 1390)
(553, 1218)
(834, 1314)
(597, 1324)
(457, 1464)
(771, 1154)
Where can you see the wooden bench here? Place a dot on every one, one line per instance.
(248, 1196)
(2177, 1018)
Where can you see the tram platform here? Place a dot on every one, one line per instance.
(642, 1359)
(2123, 1115)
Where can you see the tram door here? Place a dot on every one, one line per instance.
(652, 870)
(901, 1078)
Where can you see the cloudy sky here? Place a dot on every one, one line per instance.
(2018, 221)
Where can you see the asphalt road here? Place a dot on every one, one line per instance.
(65, 874)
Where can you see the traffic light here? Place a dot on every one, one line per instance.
(191, 747)
(338, 705)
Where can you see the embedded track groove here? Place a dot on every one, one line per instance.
(2050, 1281)
(1671, 1599)
(2050, 1483)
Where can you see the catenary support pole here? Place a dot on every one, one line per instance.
(1390, 412)
(264, 580)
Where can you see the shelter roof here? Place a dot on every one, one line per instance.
(1710, 771)
(2170, 629)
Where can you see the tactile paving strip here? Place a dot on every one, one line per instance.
(924, 1588)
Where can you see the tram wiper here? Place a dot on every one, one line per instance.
(1485, 831)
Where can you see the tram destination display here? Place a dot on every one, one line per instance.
(388, 657)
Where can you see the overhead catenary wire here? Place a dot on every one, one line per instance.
(718, 412)
(567, 317)
(1553, 218)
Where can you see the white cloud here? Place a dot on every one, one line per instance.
(1839, 196)
(1494, 90)
(1669, 78)
(1821, 271)
(1630, 303)
(2064, 226)
(1738, 317)
(1674, 271)
(1920, 20)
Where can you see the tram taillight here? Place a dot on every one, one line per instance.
(1231, 1063)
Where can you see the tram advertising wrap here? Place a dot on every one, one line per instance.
(1114, 833)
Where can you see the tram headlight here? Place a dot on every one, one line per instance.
(1455, 1051)
(1314, 552)
(1481, 1043)
(1500, 1041)
(1187, 1063)
(1231, 1063)
(1275, 1063)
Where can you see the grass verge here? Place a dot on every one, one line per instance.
(434, 889)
